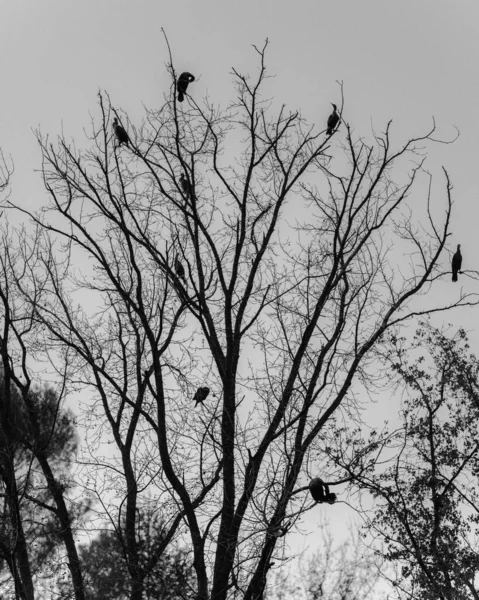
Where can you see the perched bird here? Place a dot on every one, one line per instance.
(333, 120)
(280, 530)
(320, 491)
(180, 269)
(201, 395)
(185, 186)
(120, 133)
(183, 81)
(456, 263)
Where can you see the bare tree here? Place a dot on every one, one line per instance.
(345, 571)
(287, 244)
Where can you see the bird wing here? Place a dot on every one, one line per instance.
(333, 119)
(456, 261)
(121, 133)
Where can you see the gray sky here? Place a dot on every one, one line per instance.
(408, 60)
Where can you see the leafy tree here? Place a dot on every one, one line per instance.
(30, 522)
(427, 501)
(37, 444)
(277, 317)
(13, 545)
(106, 573)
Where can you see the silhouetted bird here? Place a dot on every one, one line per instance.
(320, 491)
(183, 81)
(185, 186)
(201, 395)
(180, 269)
(333, 120)
(456, 263)
(120, 133)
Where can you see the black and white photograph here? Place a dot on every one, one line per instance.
(239, 300)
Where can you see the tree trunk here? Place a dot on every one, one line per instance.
(20, 593)
(66, 531)
(227, 537)
(20, 551)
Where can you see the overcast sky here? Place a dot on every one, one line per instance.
(407, 60)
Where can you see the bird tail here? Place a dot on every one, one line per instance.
(329, 132)
(454, 276)
(181, 96)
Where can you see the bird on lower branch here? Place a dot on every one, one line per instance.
(201, 395)
(320, 491)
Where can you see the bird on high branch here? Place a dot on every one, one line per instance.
(180, 269)
(120, 133)
(333, 120)
(183, 81)
(185, 186)
(456, 263)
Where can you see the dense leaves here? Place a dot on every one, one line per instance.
(427, 498)
(106, 573)
(35, 434)
(277, 316)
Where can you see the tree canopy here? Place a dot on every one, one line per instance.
(289, 243)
